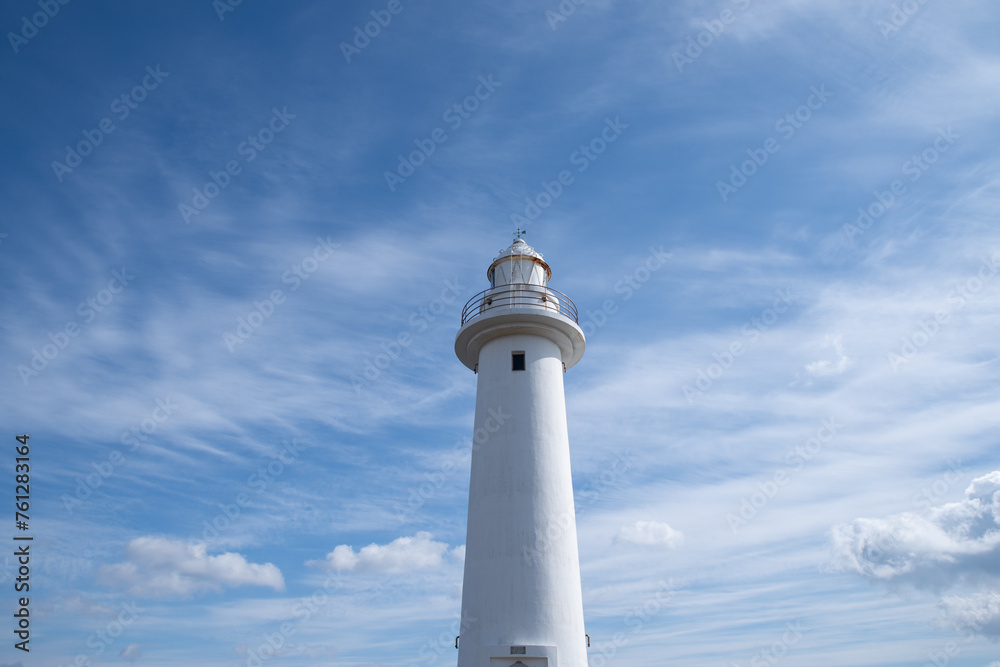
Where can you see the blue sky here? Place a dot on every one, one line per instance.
(236, 241)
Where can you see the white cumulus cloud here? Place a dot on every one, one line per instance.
(158, 567)
(404, 554)
(651, 533)
(978, 614)
(951, 545)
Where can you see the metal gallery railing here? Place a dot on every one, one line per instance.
(520, 294)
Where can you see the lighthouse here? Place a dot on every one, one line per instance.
(521, 598)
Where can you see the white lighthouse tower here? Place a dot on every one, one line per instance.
(521, 600)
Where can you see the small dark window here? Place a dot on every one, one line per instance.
(518, 650)
(517, 361)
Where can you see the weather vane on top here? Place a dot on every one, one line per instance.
(519, 233)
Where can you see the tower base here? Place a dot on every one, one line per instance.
(518, 656)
